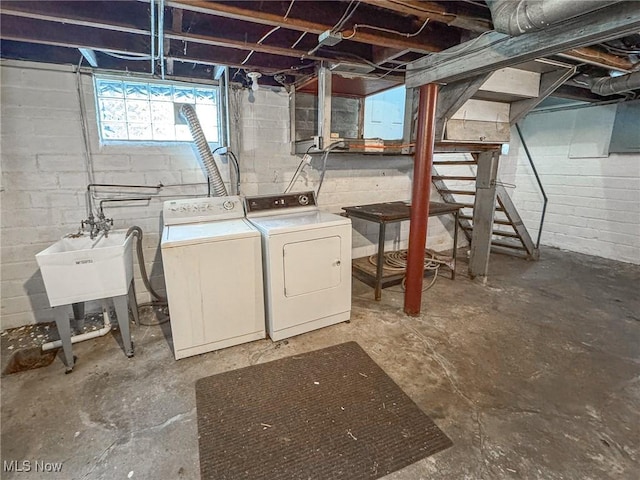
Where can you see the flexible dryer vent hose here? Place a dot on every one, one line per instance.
(189, 114)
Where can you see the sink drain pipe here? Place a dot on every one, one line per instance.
(83, 336)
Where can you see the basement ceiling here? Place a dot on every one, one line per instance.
(188, 39)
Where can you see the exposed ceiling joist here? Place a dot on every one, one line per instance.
(495, 50)
(382, 55)
(24, 11)
(125, 43)
(245, 46)
(265, 18)
(36, 11)
(434, 12)
(598, 58)
(77, 36)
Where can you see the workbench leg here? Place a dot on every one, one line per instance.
(456, 219)
(380, 262)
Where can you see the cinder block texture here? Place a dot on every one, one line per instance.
(594, 202)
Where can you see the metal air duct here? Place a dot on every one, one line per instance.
(517, 17)
(612, 85)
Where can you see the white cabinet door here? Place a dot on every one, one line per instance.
(311, 265)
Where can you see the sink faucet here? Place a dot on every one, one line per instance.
(97, 225)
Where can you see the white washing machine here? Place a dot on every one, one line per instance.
(307, 263)
(213, 272)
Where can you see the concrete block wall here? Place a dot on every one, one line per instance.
(594, 198)
(345, 114)
(45, 177)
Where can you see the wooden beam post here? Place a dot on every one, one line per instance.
(421, 192)
(483, 211)
(324, 106)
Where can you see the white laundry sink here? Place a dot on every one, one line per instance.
(81, 269)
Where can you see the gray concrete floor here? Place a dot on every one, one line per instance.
(535, 375)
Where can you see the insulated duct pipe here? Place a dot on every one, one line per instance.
(517, 17)
(189, 114)
(611, 85)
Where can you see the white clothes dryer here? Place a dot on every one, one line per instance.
(306, 263)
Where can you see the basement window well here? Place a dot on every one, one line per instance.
(142, 111)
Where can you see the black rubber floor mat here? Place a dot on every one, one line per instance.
(328, 414)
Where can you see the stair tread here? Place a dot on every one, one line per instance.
(470, 205)
(458, 192)
(499, 221)
(501, 233)
(453, 177)
(456, 162)
(507, 244)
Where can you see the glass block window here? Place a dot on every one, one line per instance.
(147, 111)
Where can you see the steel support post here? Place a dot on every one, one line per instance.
(421, 192)
(483, 212)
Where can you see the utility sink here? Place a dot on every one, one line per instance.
(78, 269)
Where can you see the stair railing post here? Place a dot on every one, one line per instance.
(535, 172)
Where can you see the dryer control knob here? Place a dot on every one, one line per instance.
(303, 200)
(228, 205)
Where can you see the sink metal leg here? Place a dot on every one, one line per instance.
(122, 312)
(63, 324)
(133, 302)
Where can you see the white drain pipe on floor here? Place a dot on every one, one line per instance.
(83, 336)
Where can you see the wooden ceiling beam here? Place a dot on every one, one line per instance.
(80, 42)
(75, 36)
(174, 34)
(382, 55)
(593, 56)
(434, 12)
(238, 45)
(227, 10)
(30, 10)
(42, 32)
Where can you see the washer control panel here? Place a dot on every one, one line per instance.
(195, 210)
(276, 202)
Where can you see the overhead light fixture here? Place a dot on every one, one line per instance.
(254, 76)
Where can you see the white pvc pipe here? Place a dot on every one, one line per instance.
(83, 336)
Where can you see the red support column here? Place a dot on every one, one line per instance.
(421, 192)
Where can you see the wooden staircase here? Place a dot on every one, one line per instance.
(455, 182)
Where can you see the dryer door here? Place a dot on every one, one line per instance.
(312, 265)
